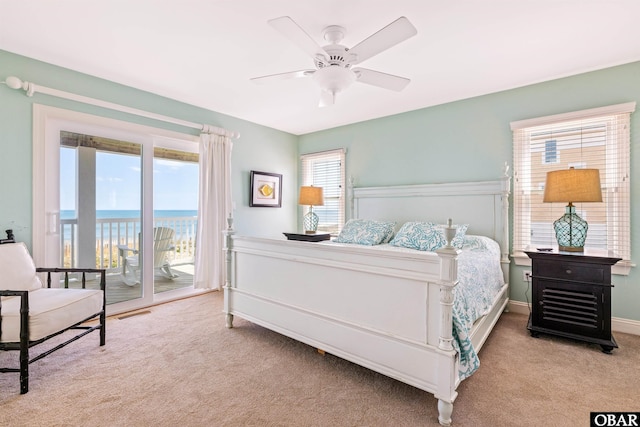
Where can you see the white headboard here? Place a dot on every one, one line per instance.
(484, 205)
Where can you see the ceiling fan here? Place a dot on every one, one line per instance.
(334, 72)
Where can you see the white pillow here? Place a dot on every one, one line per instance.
(17, 270)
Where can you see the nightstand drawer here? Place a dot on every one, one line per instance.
(570, 271)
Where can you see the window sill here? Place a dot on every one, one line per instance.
(621, 268)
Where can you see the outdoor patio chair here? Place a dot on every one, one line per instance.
(30, 314)
(163, 245)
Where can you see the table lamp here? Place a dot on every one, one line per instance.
(572, 185)
(312, 196)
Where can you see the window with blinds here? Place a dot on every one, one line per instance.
(326, 170)
(595, 139)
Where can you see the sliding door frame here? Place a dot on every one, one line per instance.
(47, 124)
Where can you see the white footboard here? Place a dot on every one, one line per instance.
(391, 314)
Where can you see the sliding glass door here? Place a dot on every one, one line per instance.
(123, 199)
(101, 210)
(175, 211)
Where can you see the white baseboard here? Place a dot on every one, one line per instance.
(518, 307)
(626, 326)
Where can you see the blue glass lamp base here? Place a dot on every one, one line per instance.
(571, 231)
(311, 223)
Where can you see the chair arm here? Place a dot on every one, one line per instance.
(11, 293)
(122, 249)
(66, 271)
(24, 311)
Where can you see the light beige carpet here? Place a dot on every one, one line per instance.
(178, 365)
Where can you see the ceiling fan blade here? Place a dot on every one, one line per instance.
(282, 76)
(327, 98)
(383, 80)
(394, 33)
(288, 27)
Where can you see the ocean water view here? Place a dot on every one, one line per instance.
(102, 214)
(127, 222)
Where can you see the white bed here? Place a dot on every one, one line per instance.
(390, 311)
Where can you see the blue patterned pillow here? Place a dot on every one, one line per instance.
(474, 243)
(423, 236)
(366, 232)
(390, 226)
(426, 236)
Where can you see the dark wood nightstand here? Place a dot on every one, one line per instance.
(571, 296)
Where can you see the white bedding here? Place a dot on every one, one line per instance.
(480, 280)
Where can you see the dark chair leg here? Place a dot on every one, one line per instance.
(103, 314)
(103, 324)
(24, 367)
(24, 344)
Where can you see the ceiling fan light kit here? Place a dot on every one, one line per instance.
(334, 72)
(334, 79)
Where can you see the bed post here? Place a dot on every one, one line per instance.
(351, 198)
(228, 248)
(448, 280)
(505, 262)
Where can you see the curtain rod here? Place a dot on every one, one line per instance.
(31, 88)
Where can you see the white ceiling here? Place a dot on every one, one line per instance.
(203, 52)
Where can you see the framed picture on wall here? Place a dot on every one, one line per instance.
(266, 190)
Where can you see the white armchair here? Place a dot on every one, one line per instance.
(31, 313)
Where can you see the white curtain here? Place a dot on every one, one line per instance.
(214, 206)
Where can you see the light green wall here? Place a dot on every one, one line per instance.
(470, 140)
(465, 140)
(259, 148)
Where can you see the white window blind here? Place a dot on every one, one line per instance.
(326, 170)
(597, 138)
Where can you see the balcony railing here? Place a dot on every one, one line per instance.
(111, 232)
